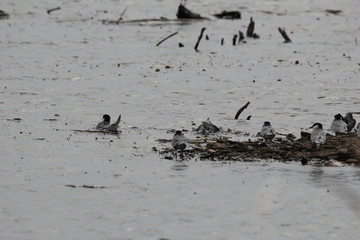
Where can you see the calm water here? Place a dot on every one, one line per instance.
(62, 71)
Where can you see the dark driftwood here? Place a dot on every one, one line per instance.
(285, 36)
(144, 20)
(184, 13)
(4, 15)
(256, 36)
(332, 11)
(241, 110)
(199, 39)
(229, 15)
(241, 36)
(234, 40)
(251, 28)
(173, 34)
(53, 9)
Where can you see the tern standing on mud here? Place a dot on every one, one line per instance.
(338, 125)
(267, 131)
(318, 134)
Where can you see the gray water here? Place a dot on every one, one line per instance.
(62, 71)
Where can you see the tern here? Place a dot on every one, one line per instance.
(179, 141)
(339, 125)
(267, 131)
(318, 134)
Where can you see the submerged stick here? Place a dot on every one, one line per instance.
(285, 36)
(199, 39)
(53, 9)
(241, 36)
(234, 39)
(251, 28)
(173, 34)
(121, 16)
(241, 110)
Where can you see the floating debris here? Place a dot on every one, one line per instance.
(85, 186)
(251, 28)
(50, 119)
(173, 34)
(333, 11)
(4, 15)
(14, 119)
(284, 34)
(228, 15)
(184, 13)
(199, 39)
(53, 9)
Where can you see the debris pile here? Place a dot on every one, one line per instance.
(341, 148)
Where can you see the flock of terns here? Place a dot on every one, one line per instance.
(340, 125)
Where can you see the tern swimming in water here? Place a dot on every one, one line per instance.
(267, 131)
(179, 141)
(338, 125)
(113, 127)
(318, 134)
(350, 121)
(104, 123)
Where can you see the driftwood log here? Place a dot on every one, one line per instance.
(228, 15)
(4, 15)
(284, 34)
(250, 29)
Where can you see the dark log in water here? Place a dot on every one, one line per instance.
(241, 36)
(241, 110)
(251, 28)
(234, 40)
(332, 11)
(184, 13)
(228, 15)
(285, 36)
(4, 15)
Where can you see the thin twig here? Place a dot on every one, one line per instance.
(173, 34)
(53, 9)
(199, 39)
(121, 16)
